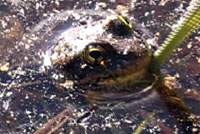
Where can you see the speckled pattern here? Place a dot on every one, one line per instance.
(29, 98)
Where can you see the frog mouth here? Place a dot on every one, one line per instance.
(121, 99)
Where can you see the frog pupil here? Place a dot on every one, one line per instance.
(95, 54)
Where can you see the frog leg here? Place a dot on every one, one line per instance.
(177, 107)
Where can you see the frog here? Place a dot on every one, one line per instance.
(106, 54)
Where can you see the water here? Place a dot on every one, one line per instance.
(29, 98)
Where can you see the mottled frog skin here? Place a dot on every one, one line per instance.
(100, 52)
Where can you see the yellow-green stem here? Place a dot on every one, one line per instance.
(188, 24)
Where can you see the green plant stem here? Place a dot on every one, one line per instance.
(144, 124)
(188, 24)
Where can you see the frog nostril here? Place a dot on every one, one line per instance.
(83, 22)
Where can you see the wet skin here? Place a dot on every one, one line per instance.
(105, 54)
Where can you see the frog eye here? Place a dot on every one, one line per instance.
(95, 55)
(120, 27)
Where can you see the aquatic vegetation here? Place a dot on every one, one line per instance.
(188, 24)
